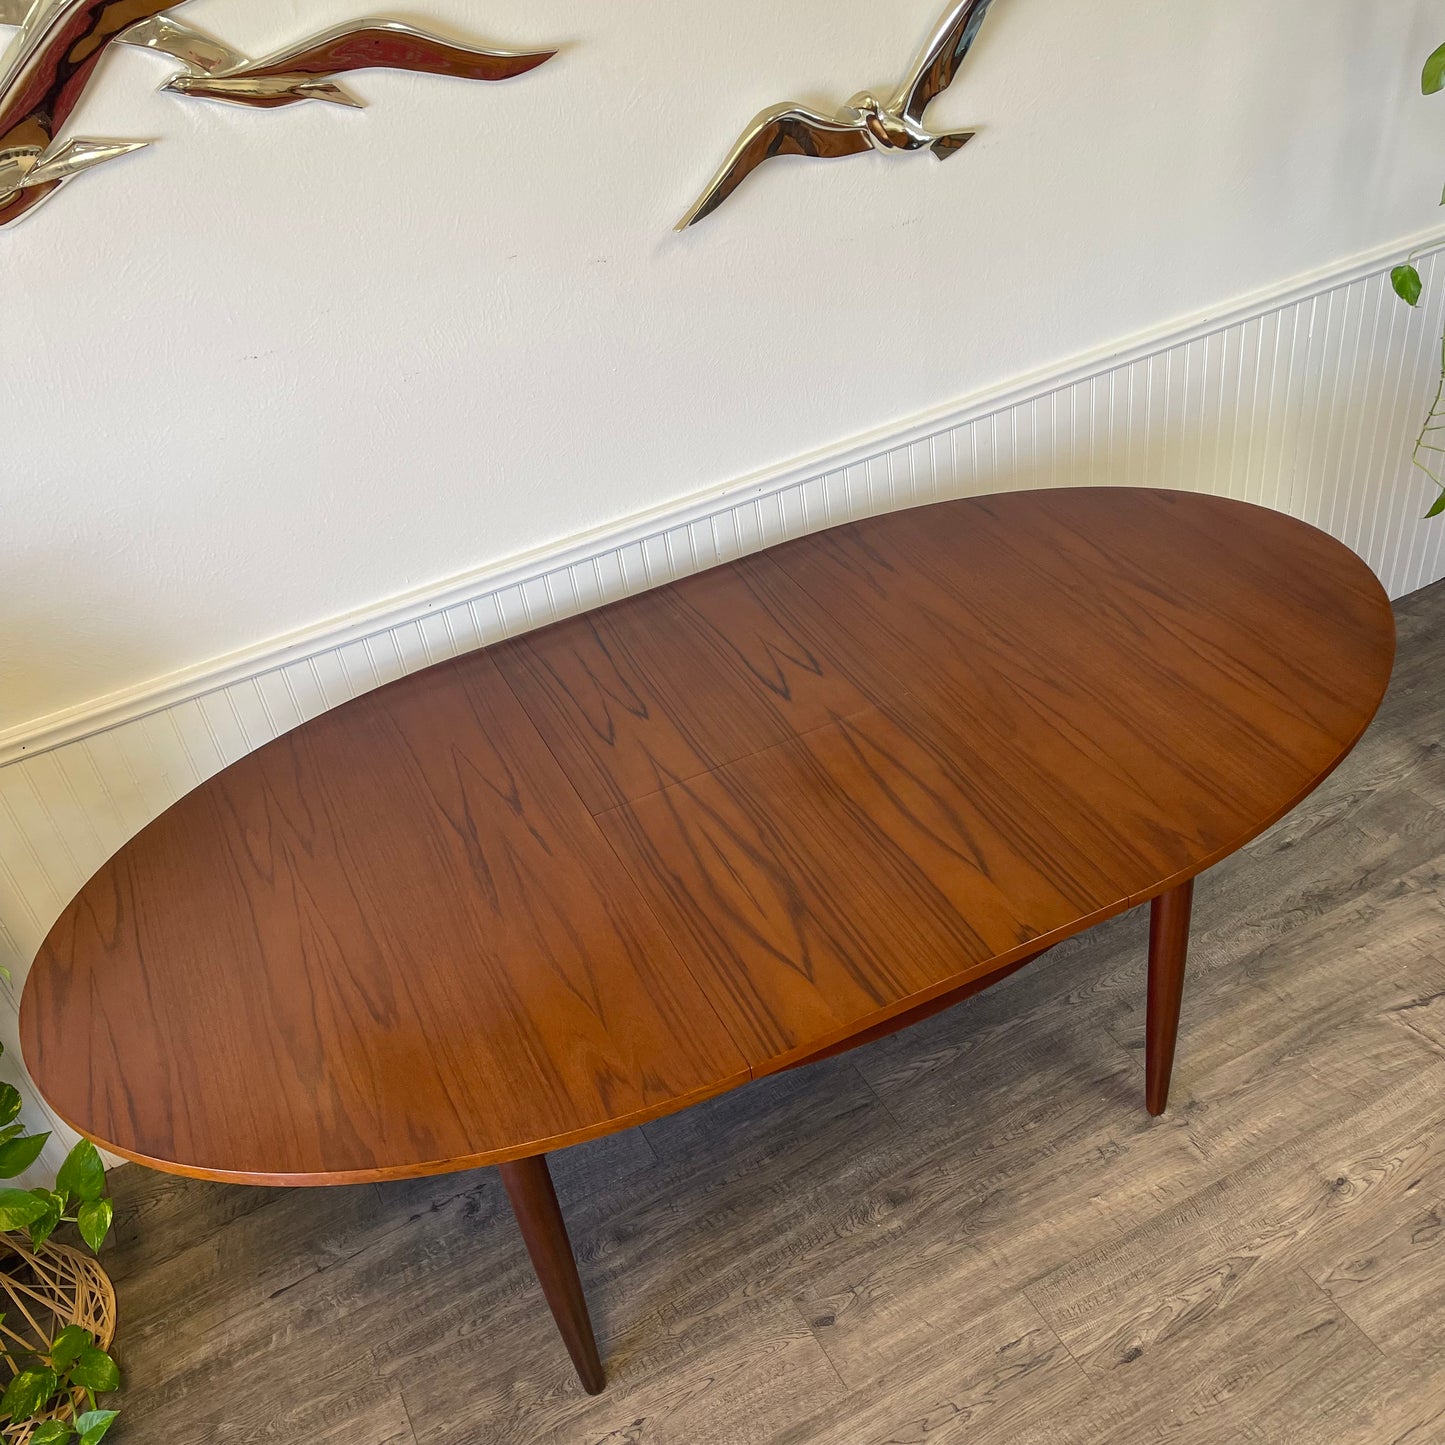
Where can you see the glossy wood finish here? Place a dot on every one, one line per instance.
(528, 1183)
(617, 866)
(390, 943)
(962, 1235)
(1168, 949)
(916, 1015)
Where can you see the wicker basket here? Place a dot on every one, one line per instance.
(40, 1294)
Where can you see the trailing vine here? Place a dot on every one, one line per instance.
(1429, 454)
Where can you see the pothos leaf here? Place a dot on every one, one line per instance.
(1432, 78)
(1407, 284)
(43, 1226)
(9, 1102)
(28, 1393)
(93, 1424)
(18, 1207)
(67, 1346)
(17, 1155)
(83, 1173)
(52, 1432)
(1439, 507)
(95, 1370)
(93, 1220)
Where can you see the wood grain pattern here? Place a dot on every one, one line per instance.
(816, 1260)
(1185, 672)
(818, 887)
(1080, 704)
(915, 1015)
(832, 785)
(389, 943)
(666, 686)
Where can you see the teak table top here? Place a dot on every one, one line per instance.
(611, 868)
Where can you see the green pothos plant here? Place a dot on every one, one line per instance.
(1429, 453)
(74, 1366)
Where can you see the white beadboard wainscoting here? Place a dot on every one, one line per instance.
(1306, 399)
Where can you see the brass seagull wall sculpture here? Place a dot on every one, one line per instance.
(864, 124)
(53, 58)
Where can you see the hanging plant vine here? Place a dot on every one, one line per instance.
(1429, 454)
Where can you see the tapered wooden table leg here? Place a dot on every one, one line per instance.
(534, 1201)
(1168, 948)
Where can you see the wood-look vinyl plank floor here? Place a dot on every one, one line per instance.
(970, 1231)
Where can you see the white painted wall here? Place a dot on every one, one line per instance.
(284, 365)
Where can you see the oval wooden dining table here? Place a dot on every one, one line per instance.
(608, 869)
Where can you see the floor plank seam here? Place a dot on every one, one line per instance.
(1083, 1374)
(1375, 1347)
(1432, 1045)
(878, 1098)
(406, 1411)
(1136, 1057)
(844, 1388)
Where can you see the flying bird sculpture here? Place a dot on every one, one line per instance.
(60, 43)
(864, 124)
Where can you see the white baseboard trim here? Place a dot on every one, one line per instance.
(594, 547)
